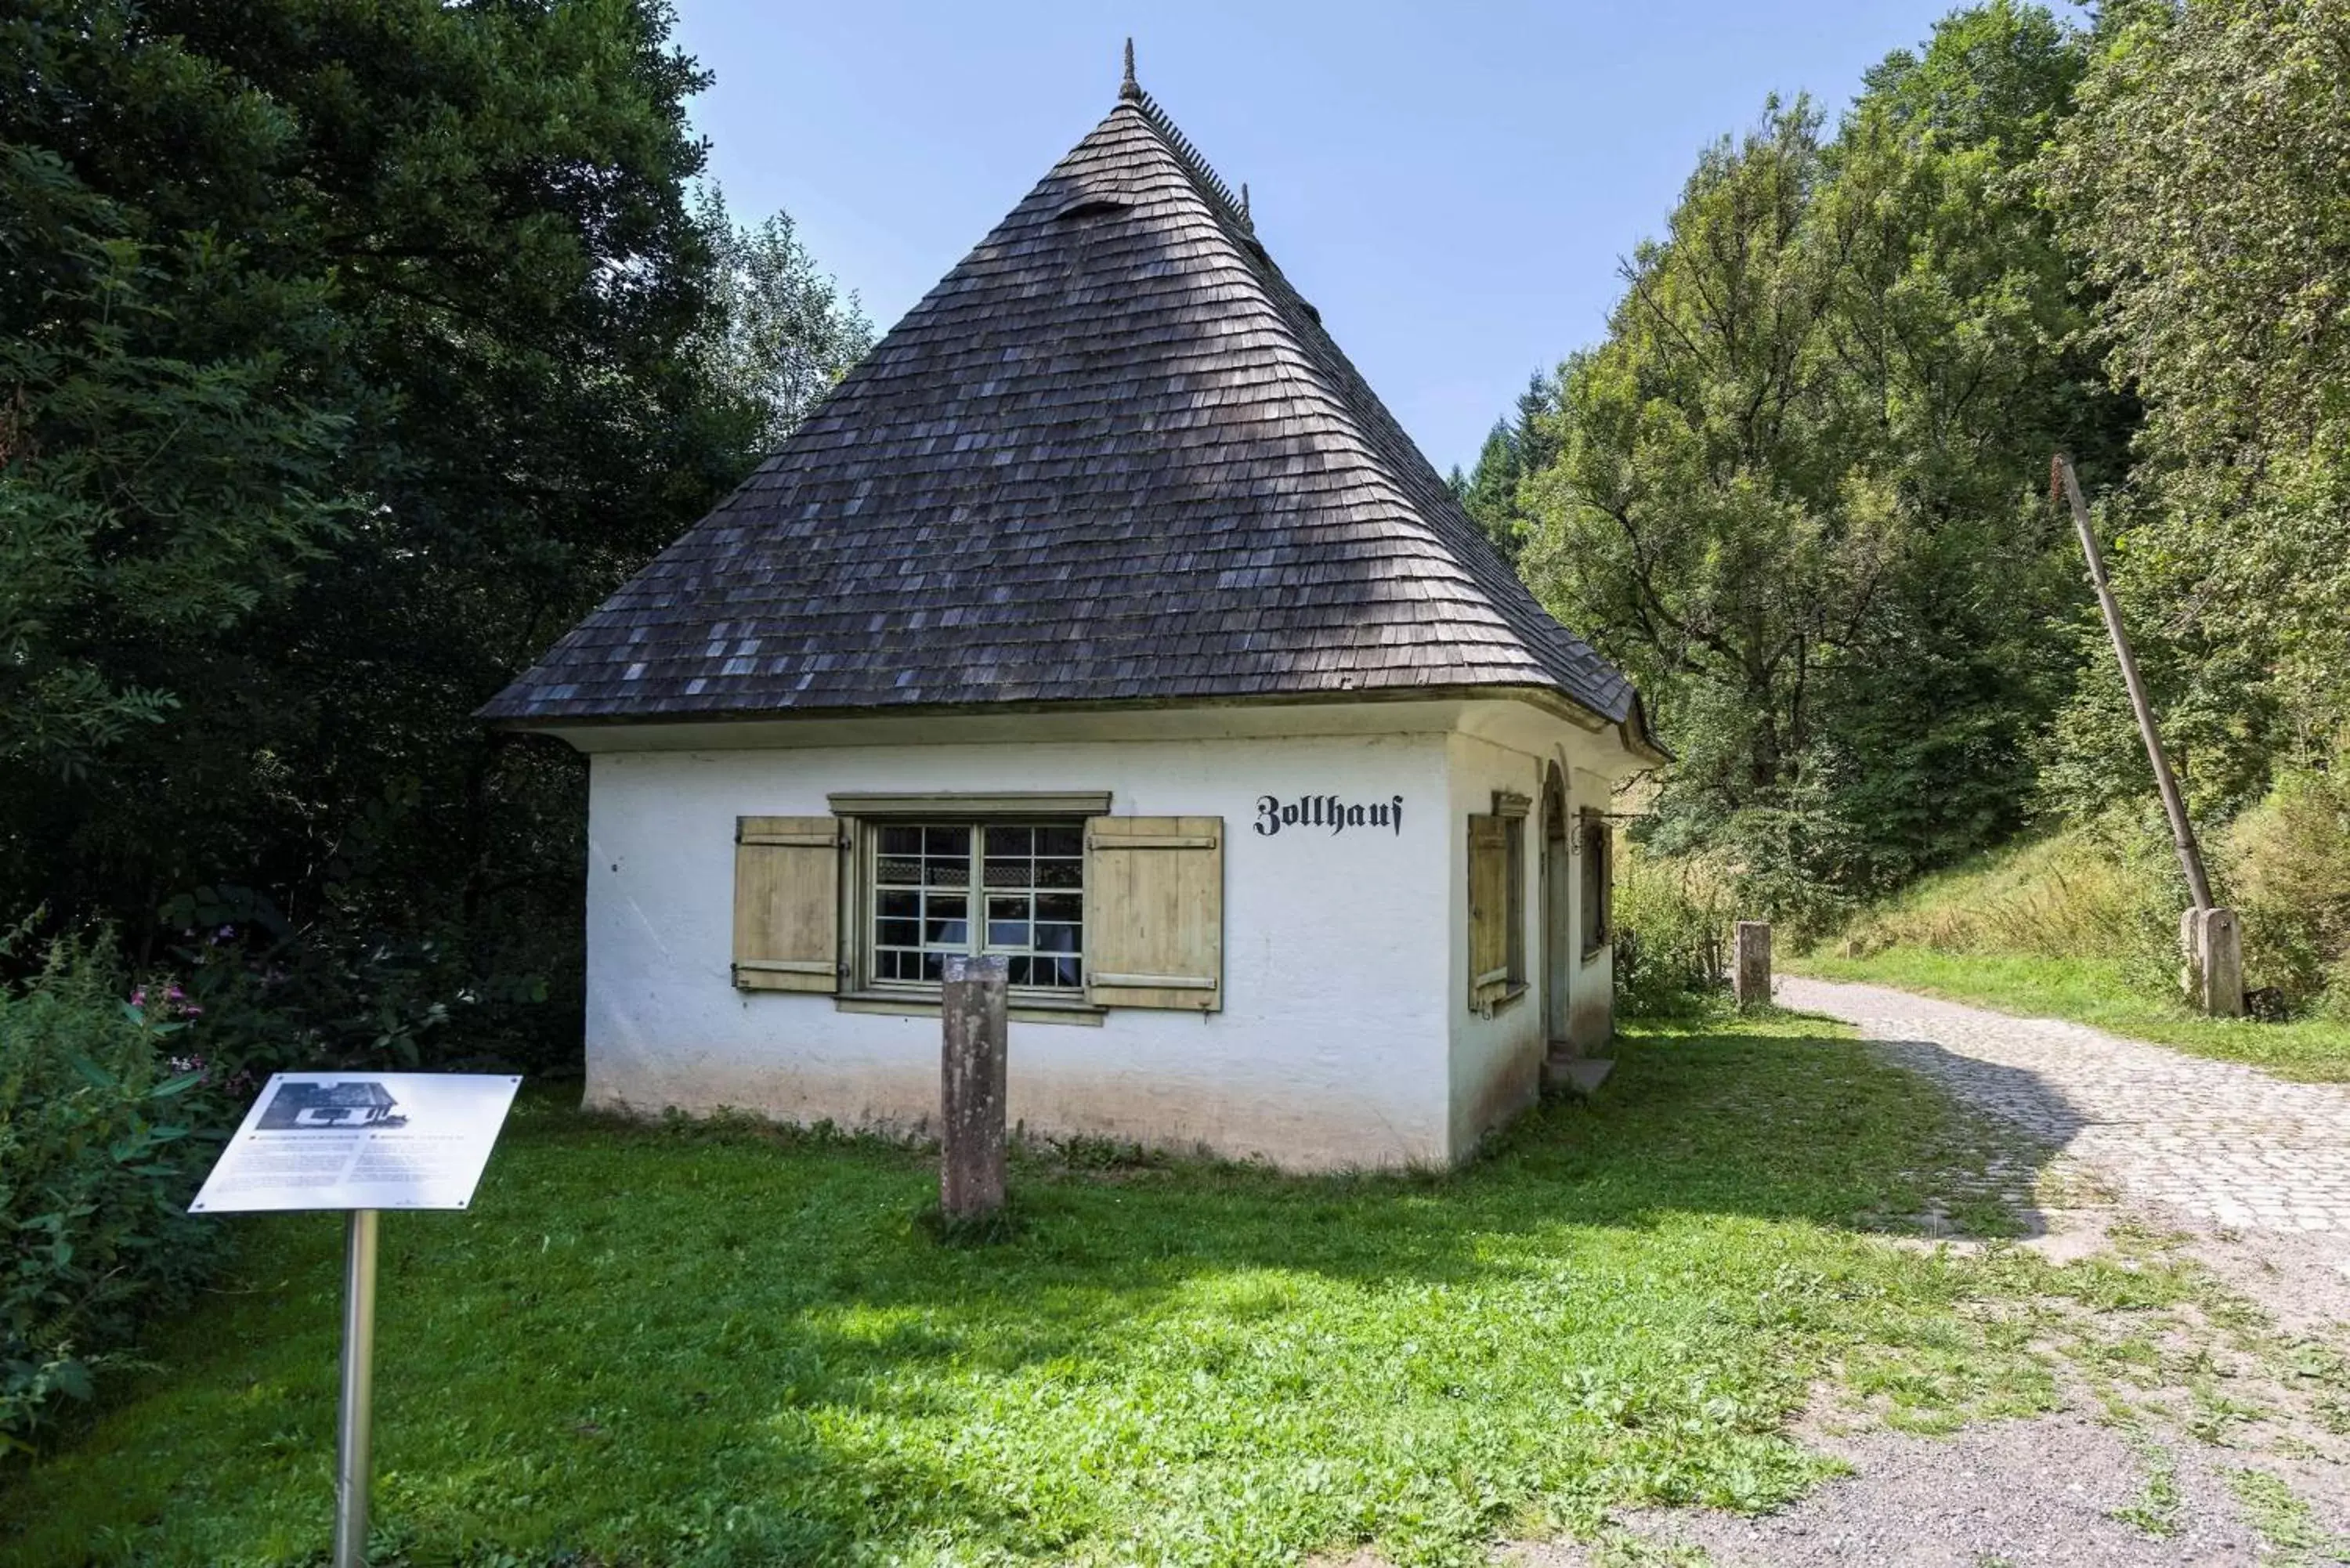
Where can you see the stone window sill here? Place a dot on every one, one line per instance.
(891, 1002)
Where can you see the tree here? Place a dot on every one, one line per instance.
(154, 487)
(1490, 493)
(2205, 183)
(1959, 324)
(1796, 489)
(356, 347)
(780, 334)
(1696, 525)
(1513, 450)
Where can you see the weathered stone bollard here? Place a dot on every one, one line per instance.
(1750, 979)
(971, 1073)
(2212, 941)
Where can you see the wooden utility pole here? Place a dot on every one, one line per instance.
(2181, 833)
(2210, 938)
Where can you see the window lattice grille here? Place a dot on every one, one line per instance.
(1026, 903)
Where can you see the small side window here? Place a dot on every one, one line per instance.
(1596, 851)
(1497, 905)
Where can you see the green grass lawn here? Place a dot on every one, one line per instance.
(733, 1345)
(2095, 992)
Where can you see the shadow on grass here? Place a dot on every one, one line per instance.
(686, 1343)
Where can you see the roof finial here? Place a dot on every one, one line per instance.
(1130, 91)
(1246, 222)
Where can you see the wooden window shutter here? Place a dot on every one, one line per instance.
(1155, 912)
(1598, 880)
(1489, 909)
(788, 903)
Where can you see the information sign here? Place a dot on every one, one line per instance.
(360, 1140)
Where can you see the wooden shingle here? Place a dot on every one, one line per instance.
(1112, 456)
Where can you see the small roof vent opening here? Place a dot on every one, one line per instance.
(1087, 209)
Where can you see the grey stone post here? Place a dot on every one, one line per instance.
(971, 1068)
(2213, 944)
(1751, 976)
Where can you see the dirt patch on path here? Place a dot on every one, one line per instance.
(2047, 1490)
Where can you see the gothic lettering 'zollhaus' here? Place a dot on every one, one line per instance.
(1326, 811)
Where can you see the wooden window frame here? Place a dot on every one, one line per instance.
(860, 895)
(951, 806)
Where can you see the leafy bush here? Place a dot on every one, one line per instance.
(2287, 864)
(1673, 915)
(96, 1165)
(1802, 866)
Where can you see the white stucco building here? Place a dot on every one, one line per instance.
(1102, 619)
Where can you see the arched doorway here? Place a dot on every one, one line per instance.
(1558, 908)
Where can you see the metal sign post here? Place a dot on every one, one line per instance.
(362, 1143)
(355, 1431)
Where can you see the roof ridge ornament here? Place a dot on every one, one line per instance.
(1219, 195)
(1130, 91)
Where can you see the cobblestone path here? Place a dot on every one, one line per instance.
(2211, 1142)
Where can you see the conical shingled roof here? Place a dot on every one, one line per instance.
(1111, 457)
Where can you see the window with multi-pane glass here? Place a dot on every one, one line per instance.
(1015, 888)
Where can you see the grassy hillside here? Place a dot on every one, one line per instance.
(2067, 927)
(2058, 897)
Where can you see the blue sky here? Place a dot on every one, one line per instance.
(1452, 184)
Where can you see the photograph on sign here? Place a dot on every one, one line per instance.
(360, 1140)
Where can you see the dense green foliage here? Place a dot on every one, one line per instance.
(2202, 189)
(1492, 493)
(2206, 187)
(779, 332)
(713, 1343)
(350, 350)
(1798, 486)
(1800, 490)
(96, 1165)
(1673, 929)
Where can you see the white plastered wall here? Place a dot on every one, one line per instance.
(1497, 1057)
(1331, 1047)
